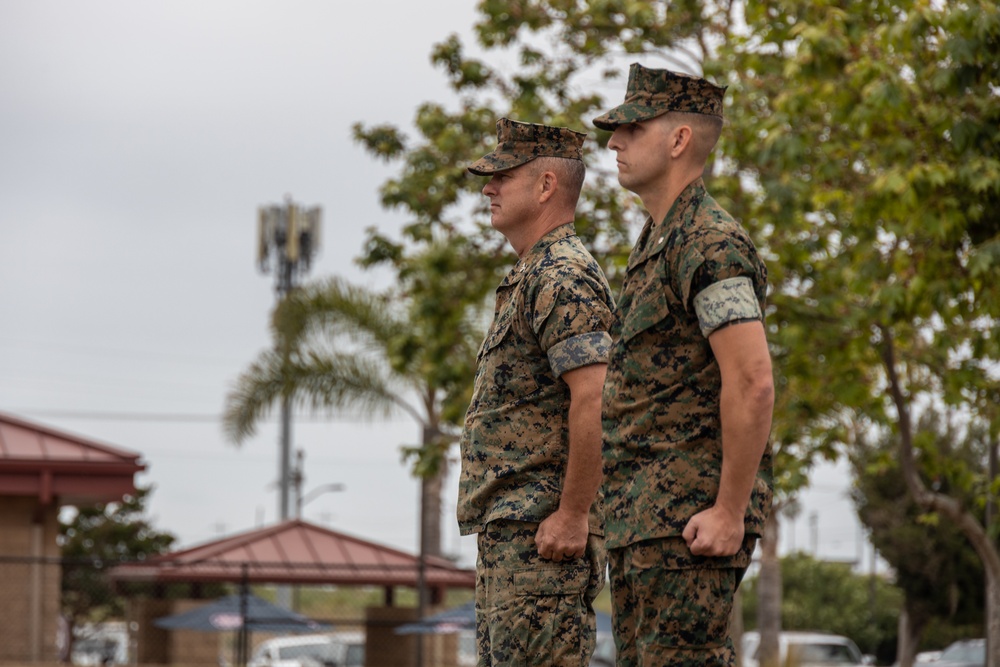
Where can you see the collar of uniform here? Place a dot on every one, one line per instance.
(533, 256)
(656, 239)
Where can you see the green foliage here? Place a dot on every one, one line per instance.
(838, 118)
(99, 537)
(433, 187)
(829, 597)
(862, 151)
(943, 587)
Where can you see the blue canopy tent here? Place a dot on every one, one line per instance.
(231, 613)
(463, 617)
(243, 613)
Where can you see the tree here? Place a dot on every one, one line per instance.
(443, 200)
(862, 151)
(863, 154)
(411, 348)
(556, 45)
(98, 537)
(943, 589)
(879, 147)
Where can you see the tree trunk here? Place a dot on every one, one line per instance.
(909, 634)
(430, 491)
(431, 488)
(769, 594)
(992, 577)
(950, 508)
(992, 619)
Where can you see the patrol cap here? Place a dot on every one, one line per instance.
(519, 142)
(654, 92)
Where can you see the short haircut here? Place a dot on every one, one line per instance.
(571, 173)
(706, 130)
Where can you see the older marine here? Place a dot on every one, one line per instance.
(531, 447)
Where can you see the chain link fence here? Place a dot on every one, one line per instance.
(78, 612)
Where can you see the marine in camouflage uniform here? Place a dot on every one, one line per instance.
(688, 395)
(531, 447)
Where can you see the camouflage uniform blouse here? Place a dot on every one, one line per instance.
(662, 432)
(553, 314)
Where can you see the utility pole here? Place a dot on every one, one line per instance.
(287, 238)
(814, 533)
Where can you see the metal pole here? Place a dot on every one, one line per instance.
(289, 235)
(243, 641)
(285, 464)
(286, 457)
(283, 594)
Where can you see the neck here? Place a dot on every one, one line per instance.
(523, 239)
(657, 201)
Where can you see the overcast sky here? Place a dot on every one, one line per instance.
(137, 140)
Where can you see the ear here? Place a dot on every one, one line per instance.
(680, 140)
(548, 182)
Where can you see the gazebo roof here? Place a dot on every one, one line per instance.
(295, 552)
(39, 461)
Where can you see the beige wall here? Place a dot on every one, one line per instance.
(178, 647)
(384, 648)
(29, 591)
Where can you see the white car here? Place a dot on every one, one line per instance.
(806, 649)
(338, 649)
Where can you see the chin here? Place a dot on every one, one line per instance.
(628, 182)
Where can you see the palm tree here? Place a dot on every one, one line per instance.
(344, 347)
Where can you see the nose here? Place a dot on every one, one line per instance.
(490, 188)
(615, 142)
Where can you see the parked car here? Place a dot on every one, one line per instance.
(926, 656)
(806, 649)
(963, 653)
(100, 644)
(339, 649)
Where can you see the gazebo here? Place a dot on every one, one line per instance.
(292, 552)
(41, 470)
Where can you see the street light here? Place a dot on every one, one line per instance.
(298, 480)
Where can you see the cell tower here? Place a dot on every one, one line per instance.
(287, 238)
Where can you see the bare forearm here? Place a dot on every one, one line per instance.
(745, 403)
(563, 534)
(583, 468)
(746, 426)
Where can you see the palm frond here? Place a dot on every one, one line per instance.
(332, 308)
(334, 381)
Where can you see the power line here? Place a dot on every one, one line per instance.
(178, 417)
(51, 345)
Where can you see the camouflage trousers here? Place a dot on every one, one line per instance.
(672, 608)
(531, 611)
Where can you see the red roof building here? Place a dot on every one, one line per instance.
(296, 552)
(55, 467)
(293, 552)
(42, 469)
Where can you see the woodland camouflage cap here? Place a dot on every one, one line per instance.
(518, 143)
(654, 92)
